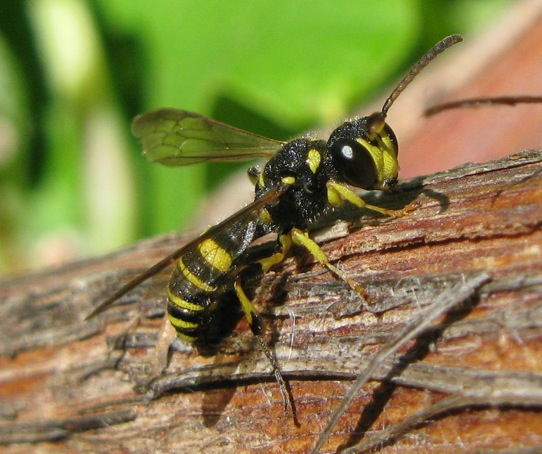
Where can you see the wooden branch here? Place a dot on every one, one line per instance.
(472, 381)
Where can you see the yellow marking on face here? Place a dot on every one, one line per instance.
(384, 156)
(374, 150)
(193, 279)
(386, 140)
(183, 304)
(390, 165)
(313, 160)
(288, 180)
(215, 255)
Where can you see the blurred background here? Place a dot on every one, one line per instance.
(74, 73)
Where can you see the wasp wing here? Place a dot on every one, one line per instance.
(244, 218)
(178, 137)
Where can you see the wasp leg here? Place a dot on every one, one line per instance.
(256, 325)
(301, 238)
(254, 320)
(337, 192)
(268, 262)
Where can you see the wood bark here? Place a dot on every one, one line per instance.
(471, 381)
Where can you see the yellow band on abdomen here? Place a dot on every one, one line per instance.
(193, 279)
(215, 255)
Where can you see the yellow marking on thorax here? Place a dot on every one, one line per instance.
(193, 279)
(313, 160)
(215, 255)
(261, 182)
(288, 180)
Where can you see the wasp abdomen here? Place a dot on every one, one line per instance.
(192, 287)
(189, 302)
(193, 291)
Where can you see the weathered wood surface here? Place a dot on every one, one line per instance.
(67, 385)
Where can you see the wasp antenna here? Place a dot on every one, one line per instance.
(438, 48)
(477, 102)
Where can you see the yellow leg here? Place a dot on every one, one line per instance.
(267, 262)
(254, 320)
(301, 238)
(337, 192)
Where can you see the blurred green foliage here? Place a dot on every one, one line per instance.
(74, 73)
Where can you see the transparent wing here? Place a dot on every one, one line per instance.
(236, 224)
(178, 137)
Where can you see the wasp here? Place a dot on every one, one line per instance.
(302, 179)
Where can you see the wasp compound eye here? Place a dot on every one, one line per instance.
(354, 163)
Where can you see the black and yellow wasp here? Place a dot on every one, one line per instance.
(301, 179)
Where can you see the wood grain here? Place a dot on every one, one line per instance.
(472, 381)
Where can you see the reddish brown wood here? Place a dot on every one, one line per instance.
(69, 385)
(485, 133)
(73, 386)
